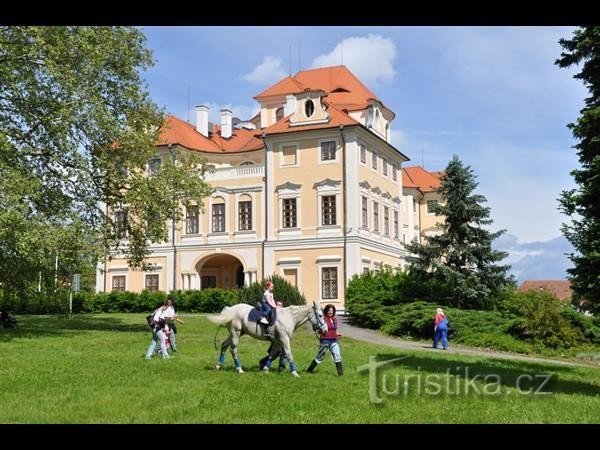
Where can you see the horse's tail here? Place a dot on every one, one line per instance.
(224, 317)
(215, 338)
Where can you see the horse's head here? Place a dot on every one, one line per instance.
(316, 318)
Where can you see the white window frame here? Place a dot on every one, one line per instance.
(362, 147)
(146, 280)
(199, 221)
(217, 194)
(238, 199)
(374, 162)
(384, 168)
(287, 191)
(325, 262)
(337, 152)
(112, 282)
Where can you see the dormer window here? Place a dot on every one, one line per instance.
(309, 108)
(279, 114)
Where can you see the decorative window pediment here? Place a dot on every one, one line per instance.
(327, 185)
(288, 188)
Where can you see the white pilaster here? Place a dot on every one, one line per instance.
(270, 199)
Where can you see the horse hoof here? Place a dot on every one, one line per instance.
(296, 374)
(217, 366)
(239, 370)
(265, 369)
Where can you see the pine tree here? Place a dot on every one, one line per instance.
(460, 260)
(583, 203)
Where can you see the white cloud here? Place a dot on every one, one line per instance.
(370, 58)
(540, 260)
(518, 58)
(269, 71)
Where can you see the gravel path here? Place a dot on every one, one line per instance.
(376, 337)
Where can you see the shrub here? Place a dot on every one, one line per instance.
(282, 291)
(538, 318)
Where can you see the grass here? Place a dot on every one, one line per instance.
(91, 369)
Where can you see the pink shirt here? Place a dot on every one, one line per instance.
(268, 297)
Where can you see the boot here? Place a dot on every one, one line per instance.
(340, 369)
(312, 366)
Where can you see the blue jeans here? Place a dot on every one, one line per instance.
(441, 333)
(333, 347)
(158, 337)
(266, 310)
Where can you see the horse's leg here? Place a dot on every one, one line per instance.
(285, 342)
(275, 350)
(226, 343)
(235, 339)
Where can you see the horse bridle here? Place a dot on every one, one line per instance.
(319, 323)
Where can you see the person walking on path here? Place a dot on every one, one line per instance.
(440, 329)
(329, 341)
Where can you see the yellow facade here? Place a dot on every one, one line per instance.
(306, 189)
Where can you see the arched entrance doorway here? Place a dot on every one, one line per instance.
(221, 271)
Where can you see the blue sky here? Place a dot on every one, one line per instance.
(491, 95)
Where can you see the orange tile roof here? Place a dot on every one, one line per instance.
(417, 177)
(560, 288)
(177, 132)
(351, 93)
(336, 118)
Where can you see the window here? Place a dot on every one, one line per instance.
(154, 166)
(118, 283)
(209, 281)
(328, 151)
(396, 227)
(328, 216)
(218, 218)
(386, 220)
(289, 213)
(387, 132)
(376, 217)
(365, 270)
(121, 224)
(279, 114)
(309, 108)
(191, 220)
(152, 282)
(394, 172)
(245, 215)
(288, 154)
(291, 276)
(374, 160)
(363, 154)
(329, 282)
(384, 168)
(365, 217)
(414, 205)
(430, 206)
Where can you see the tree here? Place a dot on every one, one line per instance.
(77, 128)
(461, 260)
(582, 204)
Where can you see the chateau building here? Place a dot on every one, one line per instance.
(311, 189)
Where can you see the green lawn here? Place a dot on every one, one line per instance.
(91, 369)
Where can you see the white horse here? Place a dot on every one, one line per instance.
(237, 319)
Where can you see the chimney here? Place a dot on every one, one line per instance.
(202, 119)
(226, 119)
(290, 105)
